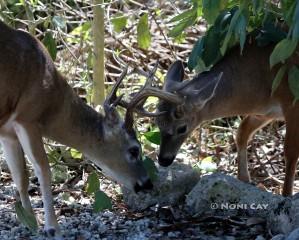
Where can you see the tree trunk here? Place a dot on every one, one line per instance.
(99, 65)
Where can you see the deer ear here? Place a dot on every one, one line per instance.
(207, 92)
(174, 76)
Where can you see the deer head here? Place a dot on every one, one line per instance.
(121, 155)
(180, 119)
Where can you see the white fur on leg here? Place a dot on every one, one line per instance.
(16, 162)
(31, 141)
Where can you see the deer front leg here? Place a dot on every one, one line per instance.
(291, 151)
(30, 138)
(247, 128)
(14, 156)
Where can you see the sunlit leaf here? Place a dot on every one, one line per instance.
(153, 136)
(119, 22)
(207, 165)
(75, 153)
(143, 33)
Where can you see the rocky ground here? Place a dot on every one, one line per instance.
(170, 221)
(78, 221)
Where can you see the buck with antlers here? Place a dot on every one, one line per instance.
(236, 85)
(37, 102)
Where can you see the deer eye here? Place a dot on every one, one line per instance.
(182, 129)
(134, 151)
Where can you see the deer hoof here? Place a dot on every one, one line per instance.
(53, 233)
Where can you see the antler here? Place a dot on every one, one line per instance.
(112, 100)
(140, 97)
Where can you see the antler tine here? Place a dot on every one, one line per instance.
(146, 91)
(112, 99)
(150, 78)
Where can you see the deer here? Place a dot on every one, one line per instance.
(235, 85)
(37, 102)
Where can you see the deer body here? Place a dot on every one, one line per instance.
(37, 102)
(236, 85)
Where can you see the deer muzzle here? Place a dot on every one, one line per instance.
(143, 185)
(165, 161)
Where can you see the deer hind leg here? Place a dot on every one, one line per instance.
(14, 156)
(247, 128)
(291, 150)
(30, 138)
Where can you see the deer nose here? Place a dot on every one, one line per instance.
(165, 161)
(143, 185)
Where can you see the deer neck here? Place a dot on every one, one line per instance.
(236, 96)
(75, 124)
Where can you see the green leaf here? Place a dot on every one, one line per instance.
(240, 30)
(211, 9)
(153, 136)
(211, 53)
(230, 31)
(59, 22)
(102, 202)
(293, 79)
(59, 174)
(93, 183)
(278, 78)
(182, 25)
(119, 22)
(288, 7)
(75, 154)
(187, 14)
(295, 34)
(283, 50)
(207, 165)
(25, 217)
(79, 33)
(196, 53)
(143, 33)
(82, 29)
(270, 33)
(151, 168)
(257, 6)
(50, 44)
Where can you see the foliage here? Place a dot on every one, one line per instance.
(143, 33)
(153, 136)
(151, 168)
(206, 165)
(25, 217)
(102, 201)
(231, 21)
